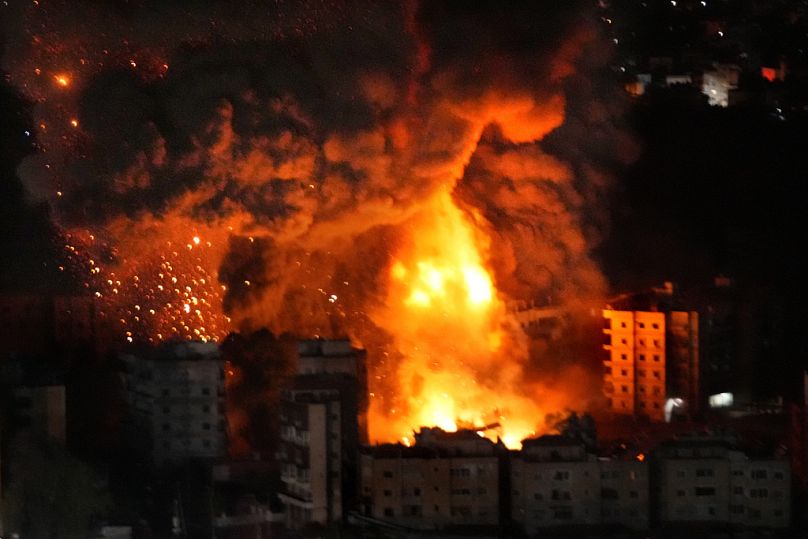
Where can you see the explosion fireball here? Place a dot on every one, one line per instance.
(396, 174)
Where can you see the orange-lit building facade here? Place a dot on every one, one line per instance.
(634, 369)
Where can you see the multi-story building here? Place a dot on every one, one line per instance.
(555, 482)
(41, 410)
(624, 493)
(634, 370)
(705, 480)
(176, 398)
(652, 367)
(322, 424)
(444, 481)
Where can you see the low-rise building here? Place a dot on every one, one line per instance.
(706, 480)
(444, 481)
(624, 493)
(554, 482)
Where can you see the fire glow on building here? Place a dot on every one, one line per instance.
(305, 175)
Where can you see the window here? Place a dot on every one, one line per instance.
(642, 325)
(737, 490)
(388, 512)
(642, 342)
(609, 494)
(388, 493)
(622, 324)
(759, 474)
(656, 357)
(656, 375)
(624, 389)
(623, 341)
(623, 356)
(736, 509)
(705, 491)
(624, 372)
(655, 325)
(412, 510)
(387, 473)
(642, 357)
(680, 493)
(206, 408)
(205, 426)
(416, 491)
(206, 391)
(758, 493)
(538, 496)
(778, 475)
(633, 494)
(563, 513)
(561, 475)
(656, 342)
(166, 427)
(705, 472)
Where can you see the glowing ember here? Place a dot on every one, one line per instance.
(164, 292)
(62, 80)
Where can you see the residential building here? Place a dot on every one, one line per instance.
(634, 370)
(444, 481)
(176, 399)
(705, 479)
(624, 493)
(555, 482)
(323, 420)
(41, 410)
(719, 82)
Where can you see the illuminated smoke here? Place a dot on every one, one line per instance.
(397, 175)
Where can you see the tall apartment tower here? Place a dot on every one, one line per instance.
(322, 425)
(652, 363)
(634, 370)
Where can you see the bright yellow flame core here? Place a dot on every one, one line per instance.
(463, 353)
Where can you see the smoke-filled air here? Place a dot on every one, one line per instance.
(402, 175)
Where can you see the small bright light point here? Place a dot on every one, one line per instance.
(62, 80)
(196, 240)
(720, 33)
(673, 3)
(74, 122)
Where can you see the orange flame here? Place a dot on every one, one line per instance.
(462, 350)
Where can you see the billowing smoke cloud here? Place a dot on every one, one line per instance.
(304, 143)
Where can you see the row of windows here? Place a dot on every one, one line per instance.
(166, 392)
(205, 426)
(184, 444)
(455, 511)
(642, 357)
(205, 408)
(640, 325)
